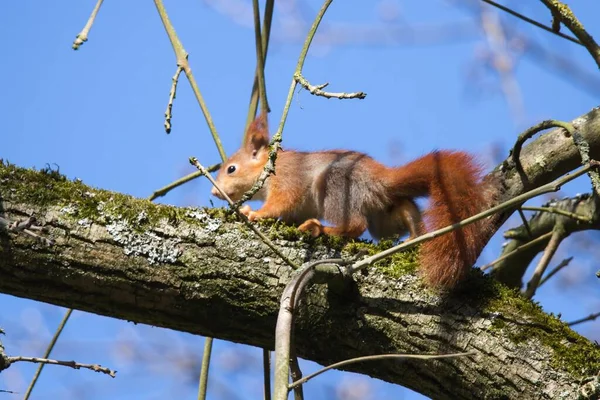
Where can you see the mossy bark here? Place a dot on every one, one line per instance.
(200, 271)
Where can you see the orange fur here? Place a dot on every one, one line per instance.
(452, 180)
(354, 193)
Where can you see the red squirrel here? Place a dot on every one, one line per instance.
(354, 193)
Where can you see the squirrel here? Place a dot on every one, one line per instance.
(354, 193)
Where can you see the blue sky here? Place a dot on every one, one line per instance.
(98, 114)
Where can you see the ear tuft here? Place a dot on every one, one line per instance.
(257, 136)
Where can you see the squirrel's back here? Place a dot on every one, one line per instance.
(331, 185)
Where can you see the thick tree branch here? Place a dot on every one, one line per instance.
(200, 271)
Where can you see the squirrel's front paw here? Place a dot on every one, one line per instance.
(312, 226)
(245, 210)
(253, 216)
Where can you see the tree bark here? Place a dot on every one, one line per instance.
(201, 271)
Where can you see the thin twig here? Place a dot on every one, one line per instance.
(518, 250)
(558, 234)
(72, 364)
(166, 189)
(525, 222)
(82, 36)
(203, 384)
(560, 266)
(547, 188)
(317, 90)
(532, 21)
(590, 317)
(182, 61)
(172, 93)
(300, 65)
(266, 374)
(260, 60)
(555, 210)
(40, 367)
(265, 35)
(194, 161)
(562, 11)
(295, 371)
(377, 358)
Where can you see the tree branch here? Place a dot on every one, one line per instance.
(199, 271)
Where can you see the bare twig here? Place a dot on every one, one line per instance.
(562, 11)
(377, 358)
(172, 93)
(265, 35)
(194, 161)
(555, 210)
(182, 62)
(82, 36)
(40, 367)
(203, 384)
(560, 266)
(166, 189)
(267, 374)
(518, 250)
(525, 223)
(72, 364)
(260, 60)
(590, 317)
(532, 21)
(515, 201)
(295, 371)
(558, 234)
(317, 90)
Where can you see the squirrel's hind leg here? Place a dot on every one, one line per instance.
(410, 215)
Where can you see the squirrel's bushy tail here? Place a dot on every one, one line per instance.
(452, 180)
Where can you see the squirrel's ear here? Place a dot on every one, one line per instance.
(258, 135)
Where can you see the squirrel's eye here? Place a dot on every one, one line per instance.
(231, 169)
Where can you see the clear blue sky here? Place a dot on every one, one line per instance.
(98, 114)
